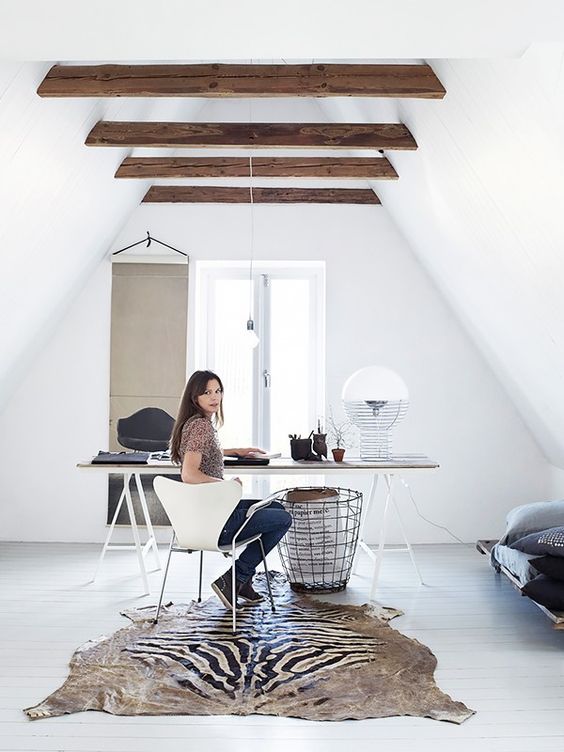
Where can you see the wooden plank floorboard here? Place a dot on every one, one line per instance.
(292, 729)
(276, 745)
(507, 723)
(496, 651)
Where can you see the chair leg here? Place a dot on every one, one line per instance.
(267, 577)
(233, 589)
(201, 572)
(156, 619)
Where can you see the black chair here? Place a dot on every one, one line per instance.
(147, 430)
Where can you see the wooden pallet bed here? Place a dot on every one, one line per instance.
(557, 617)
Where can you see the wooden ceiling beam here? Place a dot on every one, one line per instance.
(224, 80)
(360, 168)
(253, 135)
(172, 194)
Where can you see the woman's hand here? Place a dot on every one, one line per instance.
(245, 452)
(250, 451)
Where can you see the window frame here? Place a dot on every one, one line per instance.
(203, 335)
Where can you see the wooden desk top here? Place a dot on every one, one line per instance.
(286, 466)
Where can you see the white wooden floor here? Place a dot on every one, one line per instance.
(496, 652)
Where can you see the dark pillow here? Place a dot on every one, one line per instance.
(552, 566)
(549, 542)
(546, 591)
(530, 518)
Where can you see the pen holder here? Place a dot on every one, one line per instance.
(300, 449)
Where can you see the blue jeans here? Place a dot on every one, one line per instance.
(271, 522)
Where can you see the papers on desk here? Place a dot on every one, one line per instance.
(160, 456)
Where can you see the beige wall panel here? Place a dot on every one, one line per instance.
(148, 344)
(148, 338)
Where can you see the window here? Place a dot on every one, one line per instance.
(278, 387)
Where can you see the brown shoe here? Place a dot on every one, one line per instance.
(248, 593)
(223, 589)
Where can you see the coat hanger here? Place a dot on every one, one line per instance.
(149, 240)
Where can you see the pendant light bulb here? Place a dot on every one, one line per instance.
(250, 335)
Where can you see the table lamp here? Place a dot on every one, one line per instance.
(375, 399)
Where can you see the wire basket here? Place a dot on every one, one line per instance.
(317, 551)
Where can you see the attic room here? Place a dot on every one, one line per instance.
(316, 226)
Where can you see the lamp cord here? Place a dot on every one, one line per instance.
(252, 251)
(252, 238)
(441, 527)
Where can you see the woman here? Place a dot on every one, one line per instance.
(195, 446)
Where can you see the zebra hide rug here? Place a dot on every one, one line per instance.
(310, 659)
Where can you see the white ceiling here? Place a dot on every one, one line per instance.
(251, 29)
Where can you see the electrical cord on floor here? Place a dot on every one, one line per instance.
(430, 522)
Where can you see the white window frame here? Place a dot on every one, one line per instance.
(207, 272)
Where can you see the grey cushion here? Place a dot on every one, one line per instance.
(546, 591)
(546, 542)
(518, 563)
(552, 566)
(531, 518)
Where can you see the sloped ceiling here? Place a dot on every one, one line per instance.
(60, 205)
(480, 202)
(481, 205)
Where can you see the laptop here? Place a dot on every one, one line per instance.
(120, 458)
(247, 461)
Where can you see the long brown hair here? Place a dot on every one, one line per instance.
(189, 408)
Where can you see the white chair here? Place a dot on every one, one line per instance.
(198, 513)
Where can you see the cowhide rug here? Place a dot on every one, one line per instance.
(310, 659)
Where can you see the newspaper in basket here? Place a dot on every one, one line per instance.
(317, 551)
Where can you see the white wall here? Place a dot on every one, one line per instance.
(381, 308)
(58, 415)
(556, 482)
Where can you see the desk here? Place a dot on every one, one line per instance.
(399, 466)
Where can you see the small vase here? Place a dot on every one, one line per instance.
(338, 454)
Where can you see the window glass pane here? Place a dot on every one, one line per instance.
(288, 350)
(232, 360)
(290, 362)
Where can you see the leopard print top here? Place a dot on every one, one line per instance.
(200, 435)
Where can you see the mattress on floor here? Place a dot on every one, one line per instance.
(516, 562)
